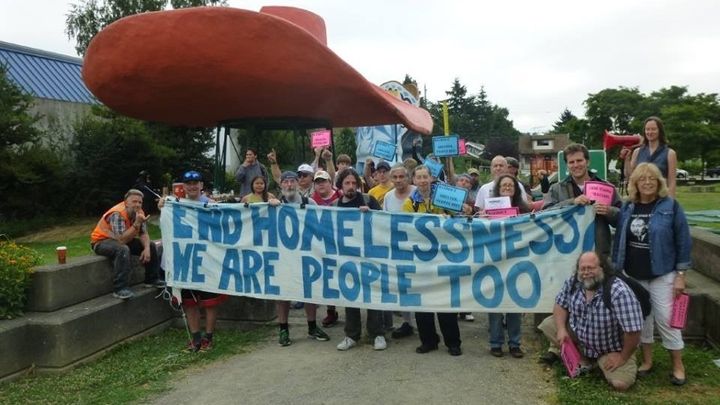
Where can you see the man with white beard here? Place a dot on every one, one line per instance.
(607, 336)
(290, 195)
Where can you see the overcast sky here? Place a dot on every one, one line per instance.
(533, 57)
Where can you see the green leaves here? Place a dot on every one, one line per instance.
(16, 264)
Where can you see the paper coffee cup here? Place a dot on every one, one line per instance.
(61, 254)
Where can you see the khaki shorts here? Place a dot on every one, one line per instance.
(625, 374)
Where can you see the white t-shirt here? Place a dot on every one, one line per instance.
(392, 203)
(486, 191)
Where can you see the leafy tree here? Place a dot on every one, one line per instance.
(693, 125)
(89, 17)
(568, 123)
(30, 171)
(613, 109)
(344, 140)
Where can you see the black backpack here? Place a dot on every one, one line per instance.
(642, 294)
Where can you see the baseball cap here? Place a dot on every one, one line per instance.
(288, 175)
(383, 166)
(306, 168)
(321, 175)
(474, 171)
(192, 175)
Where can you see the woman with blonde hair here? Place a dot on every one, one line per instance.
(652, 245)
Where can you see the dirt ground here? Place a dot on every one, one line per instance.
(313, 372)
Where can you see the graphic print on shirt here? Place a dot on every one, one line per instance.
(639, 229)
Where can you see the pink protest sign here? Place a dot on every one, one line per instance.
(461, 146)
(497, 213)
(599, 192)
(571, 358)
(318, 139)
(679, 311)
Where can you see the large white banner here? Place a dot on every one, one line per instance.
(379, 260)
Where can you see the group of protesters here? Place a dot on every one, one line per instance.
(595, 309)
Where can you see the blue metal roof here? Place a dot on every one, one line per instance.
(45, 74)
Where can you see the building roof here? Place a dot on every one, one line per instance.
(526, 146)
(45, 74)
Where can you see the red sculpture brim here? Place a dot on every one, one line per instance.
(202, 66)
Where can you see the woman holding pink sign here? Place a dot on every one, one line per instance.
(652, 245)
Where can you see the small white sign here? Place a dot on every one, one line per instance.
(497, 202)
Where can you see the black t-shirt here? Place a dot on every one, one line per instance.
(359, 201)
(637, 259)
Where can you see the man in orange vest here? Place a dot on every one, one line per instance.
(120, 232)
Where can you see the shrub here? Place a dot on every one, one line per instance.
(16, 264)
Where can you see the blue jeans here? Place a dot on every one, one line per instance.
(497, 334)
(120, 253)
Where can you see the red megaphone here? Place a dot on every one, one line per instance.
(627, 141)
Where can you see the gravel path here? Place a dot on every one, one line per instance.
(312, 372)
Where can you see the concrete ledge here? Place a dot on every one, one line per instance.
(704, 306)
(60, 285)
(247, 309)
(16, 351)
(706, 253)
(78, 331)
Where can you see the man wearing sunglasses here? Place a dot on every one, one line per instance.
(194, 300)
(305, 174)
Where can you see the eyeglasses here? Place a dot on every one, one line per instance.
(303, 174)
(510, 185)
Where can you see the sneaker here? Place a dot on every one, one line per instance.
(192, 347)
(284, 339)
(330, 320)
(404, 330)
(423, 348)
(205, 344)
(496, 351)
(380, 343)
(155, 284)
(455, 351)
(346, 344)
(124, 294)
(466, 316)
(318, 334)
(549, 358)
(515, 352)
(297, 305)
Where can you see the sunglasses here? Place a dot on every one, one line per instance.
(303, 174)
(192, 176)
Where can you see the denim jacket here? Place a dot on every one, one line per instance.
(668, 234)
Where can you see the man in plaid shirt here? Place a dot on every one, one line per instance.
(608, 336)
(121, 232)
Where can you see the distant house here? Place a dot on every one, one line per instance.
(540, 151)
(53, 80)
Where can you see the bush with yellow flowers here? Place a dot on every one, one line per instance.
(16, 265)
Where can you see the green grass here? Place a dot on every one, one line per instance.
(128, 373)
(699, 202)
(703, 385)
(75, 237)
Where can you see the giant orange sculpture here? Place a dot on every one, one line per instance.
(206, 66)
